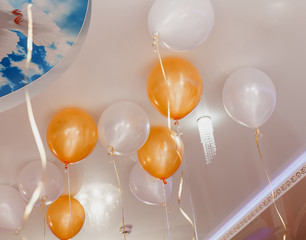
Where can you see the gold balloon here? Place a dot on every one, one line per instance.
(72, 134)
(182, 91)
(58, 217)
(162, 154)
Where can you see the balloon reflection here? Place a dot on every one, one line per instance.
(99, 201)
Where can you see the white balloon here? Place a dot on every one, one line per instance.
(12, 208)
(181, 24)
(147, 188)
(124, 126)
(249, 97)
(30, 177)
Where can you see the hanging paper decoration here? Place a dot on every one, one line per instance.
(162, 154)
(57, 38)
(123, 128)
(147, 188)
(30, 177)
(72, 134)
(63, 223)
(11, 209)
(249, 97)
(181, 25)
(180, 92)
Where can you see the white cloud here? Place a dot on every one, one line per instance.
(57, 9)
(33, 68)
(3, 81)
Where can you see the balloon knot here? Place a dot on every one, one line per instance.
(258, 133)
(110, 150)
(155, 41)
(164, 181)
(176, 123)
(17, 231)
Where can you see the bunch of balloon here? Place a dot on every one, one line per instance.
(65, 217)
(176, 93)
(249, 98)
(12, 209)
(123, 128)
(181, 25)
(29, 179)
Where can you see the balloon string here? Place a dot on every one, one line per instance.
(257, 132)
(67, 170)
(178, 128)
(111, 152)
(166, 210)
(43, 204)
(156, 49)
(34, 128)
(182, 211)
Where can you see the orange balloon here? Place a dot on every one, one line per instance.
(72, 134)
(182, 90)
(58, 217)
(162, 154)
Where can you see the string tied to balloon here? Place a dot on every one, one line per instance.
(67, 171)
(259, 135)
(180, 207)
(43, 205)
(166, 209)
(37, 137)
(156, 49)
(111, 153)
(178, 128)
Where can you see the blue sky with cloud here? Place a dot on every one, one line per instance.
(68, 15)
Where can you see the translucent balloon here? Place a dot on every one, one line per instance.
(124, 126)
(181, 25)
(31, 175)
(147, 188)
(12, 208)
(249, 97)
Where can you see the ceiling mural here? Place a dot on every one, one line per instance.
(55, 29)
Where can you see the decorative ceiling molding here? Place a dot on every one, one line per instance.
(282, 189)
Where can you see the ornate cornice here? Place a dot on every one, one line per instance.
(288, 184)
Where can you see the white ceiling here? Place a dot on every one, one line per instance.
(113, 65)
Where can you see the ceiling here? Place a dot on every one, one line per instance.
(113, 64)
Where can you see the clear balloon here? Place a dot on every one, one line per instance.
(72, 134)
(124, 126)
(182, 91)
(12, 209)
(181, 25)
(31, 175)
(162, 154)
(249, 97)
(58, 217)
(147, 188)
